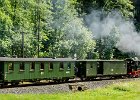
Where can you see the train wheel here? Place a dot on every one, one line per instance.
(4, 84)
(82, 78)
(87, 79)
(1, 85)
(67, 80)
(58, 81)
(14, 83)
(130, 76)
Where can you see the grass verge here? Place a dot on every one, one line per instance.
(119, 91)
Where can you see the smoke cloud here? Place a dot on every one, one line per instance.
(125, 36)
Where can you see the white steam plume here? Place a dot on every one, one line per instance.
(128, 40)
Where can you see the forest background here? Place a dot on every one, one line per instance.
(86, 29)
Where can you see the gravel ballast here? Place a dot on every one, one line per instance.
(59, 88)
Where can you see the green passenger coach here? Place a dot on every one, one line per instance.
(14, 70)
(88, 69)
(114, 67)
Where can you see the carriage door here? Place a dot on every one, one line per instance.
(100, 68)
(1, 70)
(80, 69)
(130, 65)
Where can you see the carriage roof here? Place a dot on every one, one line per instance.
(35, 59)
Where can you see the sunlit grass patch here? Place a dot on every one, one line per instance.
(123, 87)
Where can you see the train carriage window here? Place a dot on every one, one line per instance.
(22, 66)
(11, 67)
(69, 65)
(61, 66)
(32, 67)
(42, 66)
(50, 66)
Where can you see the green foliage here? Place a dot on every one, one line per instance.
(19, 16)
(117, 54)
(5, 28)
(70, 36)
(56, 26)
(137, 14)
(105, 45)
(124, 6)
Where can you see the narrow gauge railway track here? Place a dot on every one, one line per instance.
(58, 88)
